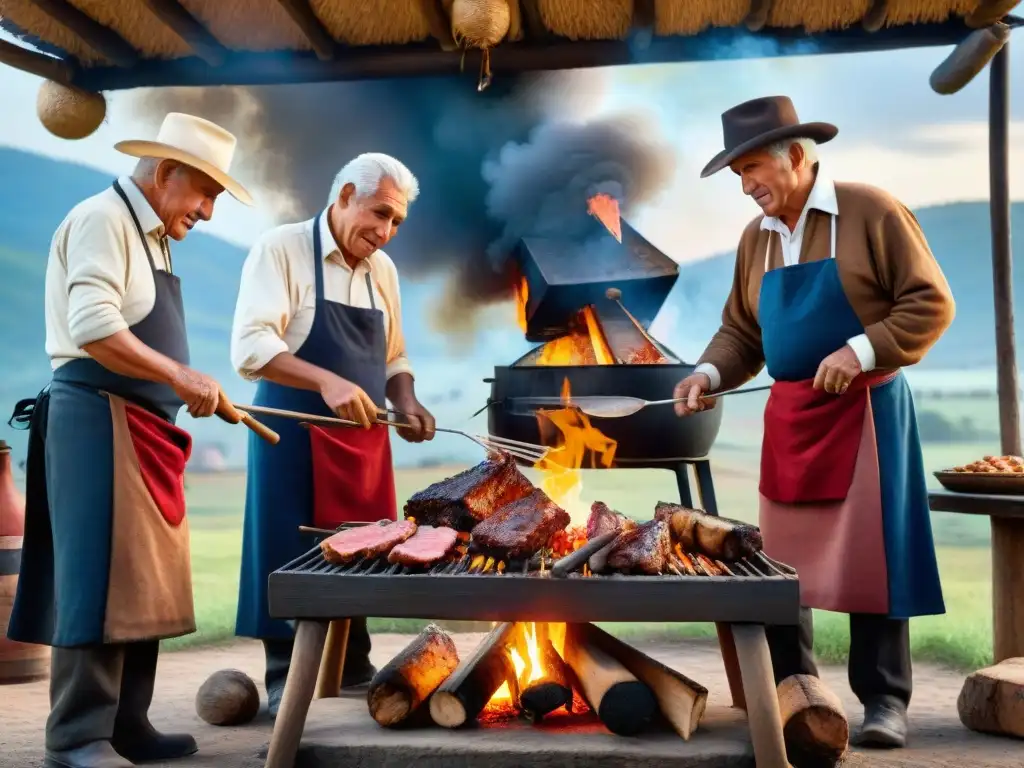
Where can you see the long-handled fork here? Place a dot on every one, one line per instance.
(525, 451)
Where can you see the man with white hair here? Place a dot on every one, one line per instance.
(318, 323)
(835, 290)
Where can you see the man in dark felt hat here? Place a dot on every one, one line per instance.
(835, 291)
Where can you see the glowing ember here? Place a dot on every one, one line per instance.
(583, 345)
(605, 209)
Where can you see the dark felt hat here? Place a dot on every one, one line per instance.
(759, 122)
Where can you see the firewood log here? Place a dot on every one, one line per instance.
(992, 699)
(813, 722)
(540, 697)
(624, 704)
(461, 698)
(681, 700)
(409, 679)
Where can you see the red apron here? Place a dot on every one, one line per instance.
(353, 476)
(811, 439)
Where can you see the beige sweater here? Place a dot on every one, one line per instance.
(889, 273)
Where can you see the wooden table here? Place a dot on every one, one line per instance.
(1007, 519)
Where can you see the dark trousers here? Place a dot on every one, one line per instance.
(357, 655)
(879, 666)
(99, 693)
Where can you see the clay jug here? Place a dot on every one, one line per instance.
(12, 503)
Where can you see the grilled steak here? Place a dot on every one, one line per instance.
(427, 546)
(645, 549)
(520, 528)
(603, 519)
(463, 500)
(365, 541)
(717, 537)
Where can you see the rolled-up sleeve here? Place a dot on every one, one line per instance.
(397, 360)
(96, 277)
(262, 311)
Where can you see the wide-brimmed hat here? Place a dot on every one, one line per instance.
(759, 122)
(194, 142)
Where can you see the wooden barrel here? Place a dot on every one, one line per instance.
(19, 662)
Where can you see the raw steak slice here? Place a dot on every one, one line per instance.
(365, 541)
(426, 547)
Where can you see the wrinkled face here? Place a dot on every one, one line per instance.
(182, 196)
(769, 179)
(364, 225)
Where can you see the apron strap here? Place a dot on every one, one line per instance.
(318, 259)
(832, 243)
(369, 291)
(142, 235)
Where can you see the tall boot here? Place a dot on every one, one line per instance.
(135, 738)
(278, 655)
(358, 671)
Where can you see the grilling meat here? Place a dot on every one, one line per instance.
(520, 528)
(603, 519)
(365, 541)
(426, 547)
(463, 500)
(717, 537)
(645, 549)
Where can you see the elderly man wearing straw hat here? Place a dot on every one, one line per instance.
(835, 291)
(105, 573)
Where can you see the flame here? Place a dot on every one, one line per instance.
(531, 667)
(522, 296)
(605, 209)
(561, 478)
(583, 345)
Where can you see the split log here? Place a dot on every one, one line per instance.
(540, 697)
(814, 724)
(624, 704)
(992, 699)
(409, 679)
(462, 697)
(681, 700)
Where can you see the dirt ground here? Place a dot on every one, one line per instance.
(937, 738)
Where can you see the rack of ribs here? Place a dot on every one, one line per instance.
(520, 528)
(463, 500)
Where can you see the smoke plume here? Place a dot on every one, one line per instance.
(493, 166)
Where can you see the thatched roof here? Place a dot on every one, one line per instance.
(126, 43)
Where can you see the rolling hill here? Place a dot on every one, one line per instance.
(450, 384)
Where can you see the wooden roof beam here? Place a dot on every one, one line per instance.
(533, 23)
(440, 24)
(39, 64)
(323, 44)
(757, 16)
(189, 29)
(103, 40)
(875, 17)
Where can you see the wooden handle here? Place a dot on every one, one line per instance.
(227, 411)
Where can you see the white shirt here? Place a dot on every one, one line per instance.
(276, 298)
(98, 279)
(822, 198)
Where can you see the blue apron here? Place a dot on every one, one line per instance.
(804, 317)
(351, 343)
(62, 588)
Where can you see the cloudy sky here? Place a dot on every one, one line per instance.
(894, 132)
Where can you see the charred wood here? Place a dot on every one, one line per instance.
(462, 697)
(399, 689)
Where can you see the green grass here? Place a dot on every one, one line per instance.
(962, 638)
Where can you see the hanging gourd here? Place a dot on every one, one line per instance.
(480, 24)
(68, 112)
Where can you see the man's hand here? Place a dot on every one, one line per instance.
(692, 388)
(419, 419)
(837, 371)
(349, 401)
(200, 392)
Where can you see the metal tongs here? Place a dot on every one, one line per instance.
(525, 451)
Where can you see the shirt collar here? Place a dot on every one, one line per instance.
(330, 246)
(822, 198)
(148, 219)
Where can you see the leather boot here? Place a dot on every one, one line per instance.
(135, 738)
(278, 655)
(96, 754)
(358, 671)
(885, 724)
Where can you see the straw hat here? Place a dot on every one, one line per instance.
(194, 142)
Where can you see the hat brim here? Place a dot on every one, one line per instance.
(819, 132)
(139, 148)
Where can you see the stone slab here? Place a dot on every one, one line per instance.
(341, 734)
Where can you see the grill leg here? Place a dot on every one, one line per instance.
(727, 643)
(328, 683)
(682, 470)
(763, 716)
(705, 488)
(298, 693)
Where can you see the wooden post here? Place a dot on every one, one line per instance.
(1007, 533)
(763, 716)
(332, 663)
(298, 693)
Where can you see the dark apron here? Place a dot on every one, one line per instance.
(64, 579)
(350, 342)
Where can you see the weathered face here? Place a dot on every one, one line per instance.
(770, 179)
(182, 197)
(367, 224)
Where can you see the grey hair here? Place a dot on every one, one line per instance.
(145, 168)
(367, 171)
(780, 149)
